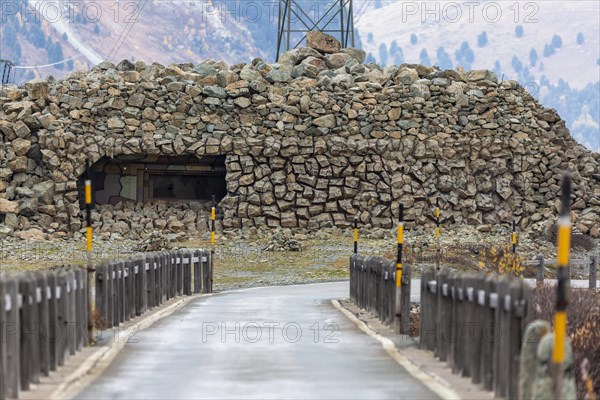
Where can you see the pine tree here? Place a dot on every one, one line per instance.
(548, 50)
(413, 39)
(398, 56)
(443, 58)
(519, 31)
(482, 39)
(556, 42)
(516, 64)
(580, 38)
(383, 54)
(533, 57)
(424, 57)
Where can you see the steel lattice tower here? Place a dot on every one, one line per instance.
(298, 17)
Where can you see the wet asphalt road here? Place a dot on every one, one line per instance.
(277, 342)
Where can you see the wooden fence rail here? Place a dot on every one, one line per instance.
(43, 314)
(373, 288)
(475, 323)
(592, 262)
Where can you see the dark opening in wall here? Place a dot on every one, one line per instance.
(144, 178)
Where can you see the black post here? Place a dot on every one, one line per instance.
(355, 235)
(514, 237)
(91, 272)
(562, 301)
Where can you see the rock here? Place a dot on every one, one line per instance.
(5, 231)
(214, 91)
(322, 42)
(21, 130)
(125, 65)
(242, 102)
(326, 121)
(33, 234)
(175, 226)
(407, 76)
(115, 123)
(278, 75)
(21, 146)
(44, 192)
(28, 207)
(37, 89)
(358, 54)
(7, 206)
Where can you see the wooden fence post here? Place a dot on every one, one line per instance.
(140, 288)
(150, 281)
(520, 294)
(502, 346)
(490, 328)
(120, 289)
(477, 314)
(157, 281)
(391, 294)
(593, 271)
(71, 313)
(54, 330)
(41, 300)
(442, 313)
(29, 344)
(428, 314)
(10, 337)
(110, 294)
(540, 270)
(450, 320)
(405, 300)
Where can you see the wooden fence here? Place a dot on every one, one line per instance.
(592, 262)
(43, 314)
(373, 288)
(475, 323)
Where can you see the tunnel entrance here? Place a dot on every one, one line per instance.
(148, 178)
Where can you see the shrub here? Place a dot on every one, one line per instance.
(502, 260)
(583, 327)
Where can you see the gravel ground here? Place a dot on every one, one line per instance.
(281, 257)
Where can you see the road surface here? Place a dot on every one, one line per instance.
(276, 342)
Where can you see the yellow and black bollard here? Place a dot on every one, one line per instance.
(562, 301)
(400, 241)
(355, 235)
(438, 232)
(513, 237)
(213, 214)
(91, 271)
(399, 270)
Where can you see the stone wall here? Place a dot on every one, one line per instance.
(309, 142)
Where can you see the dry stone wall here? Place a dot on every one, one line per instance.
(309, 142)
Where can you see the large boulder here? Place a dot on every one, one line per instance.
(322, 42)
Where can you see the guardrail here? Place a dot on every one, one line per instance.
(44, 314)
(373, 288)
(476, 322)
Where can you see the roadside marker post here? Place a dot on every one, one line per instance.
(91, 271)
(355, 235)
(213, 215)
(514, 237)
(399, 269)
(438, 233)
(562, 301)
